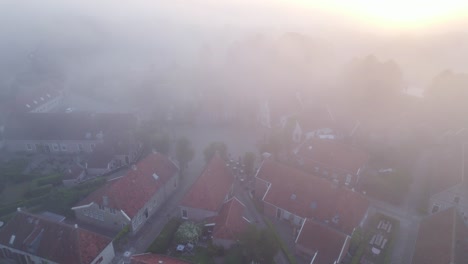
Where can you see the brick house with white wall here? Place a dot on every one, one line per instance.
(133, 198)
(64, 133)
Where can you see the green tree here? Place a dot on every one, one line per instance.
(259, 245)
(214, 147)
(184, 153)
(162, 143)
(249, 163)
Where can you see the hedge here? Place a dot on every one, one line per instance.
(55, 180)
(38, 191)
(161, 244)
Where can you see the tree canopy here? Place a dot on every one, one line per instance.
(259, 245)
(184, 152)
(214, 147)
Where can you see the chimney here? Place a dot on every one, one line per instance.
(76, 225)
(134, 167)
(18, 209)
(105, 200)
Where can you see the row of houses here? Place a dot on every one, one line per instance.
(323, 214)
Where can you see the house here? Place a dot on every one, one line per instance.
(337, 161)
(229, 223)
(321, 244)
(62, 133)
(209, 192)
(442, 238)
(291, 195)
(29, 238)
(133, 198)
(111, 155)
(73, 175)
(41, 101)
(449, 181)
(148, 258)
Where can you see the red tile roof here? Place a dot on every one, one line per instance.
(442, 238)
(230, 221)
(149, 258)
(35, 99)
(329, 244)
(131, 192)
(311, 197)
(54, 241)
(211, 187)
(333, 154)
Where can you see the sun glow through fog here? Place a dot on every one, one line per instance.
(396, 14)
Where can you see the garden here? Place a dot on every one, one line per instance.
(373, 244)
(38, 188)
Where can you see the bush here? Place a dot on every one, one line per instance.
(161, 244)
(188, 232)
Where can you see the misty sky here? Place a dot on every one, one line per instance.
(82, 38)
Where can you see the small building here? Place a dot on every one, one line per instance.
(321, 244)
(229, 223)
(63, 133)
(336, 161)
(149, 258)
(207, 195)
(291, 195)
(29, 238)
(73, 175)
(133, 198)
(442, 238)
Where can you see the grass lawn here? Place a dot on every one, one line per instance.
(13, 192)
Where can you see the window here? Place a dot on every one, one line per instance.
(456, 199)
(86, 212)
(29, 146)
(112, 210)
(184, 213)
(101, 207)
(63, 147)
(278, 213)
(55, 147)
(348, 179)
(80, 147)
(435, 208)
